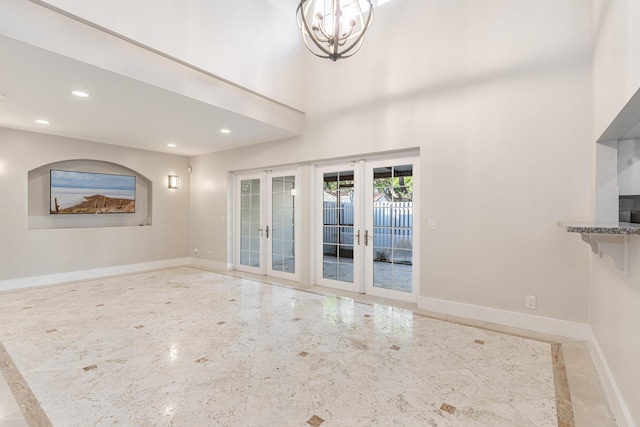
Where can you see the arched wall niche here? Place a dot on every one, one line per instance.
(39, 216)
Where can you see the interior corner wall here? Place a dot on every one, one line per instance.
(28, 253)
(614, 297)
(499, 107)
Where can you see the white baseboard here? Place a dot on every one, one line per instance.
(215, 265)
(614, 396)
(72, 276)
(52, 279)
(545, 325)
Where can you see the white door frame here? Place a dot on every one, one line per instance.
(265, 266)
(269, 175)
(369, 255)
(318, 226)
(238, 178)
(363, 222)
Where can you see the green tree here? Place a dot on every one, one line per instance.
(397, 189)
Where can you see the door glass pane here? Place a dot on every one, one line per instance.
(283, 225)
(393, 227)
(250, 222)
(338, 218)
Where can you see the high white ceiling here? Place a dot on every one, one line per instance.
(37, 84)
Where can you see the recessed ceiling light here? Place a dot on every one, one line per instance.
(80, 93)
(171, 145)
(225, 131)
(42, 122)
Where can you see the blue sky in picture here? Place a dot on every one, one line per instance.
(70, 179)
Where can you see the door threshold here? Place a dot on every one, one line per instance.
(323, 290)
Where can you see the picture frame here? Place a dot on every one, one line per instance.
(75, 192)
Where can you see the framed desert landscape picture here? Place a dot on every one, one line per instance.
(73, 192)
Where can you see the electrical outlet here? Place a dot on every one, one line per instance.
(196, 252)
(210, 254)
(530, 302)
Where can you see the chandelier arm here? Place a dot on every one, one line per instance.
(326, 51)
(303, 15)
(320, 28)
(358, 41)
(308, 33)
(343, 39)
(326, 37)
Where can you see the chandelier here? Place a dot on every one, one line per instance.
(334, 29)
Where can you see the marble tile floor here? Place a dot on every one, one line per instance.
(191, 347)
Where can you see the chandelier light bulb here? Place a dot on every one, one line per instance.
(334, 29)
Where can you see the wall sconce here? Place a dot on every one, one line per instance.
(173, 181)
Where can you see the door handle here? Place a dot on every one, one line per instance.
(267, 230)
(260, 230)
(366, 237)
(357, 236)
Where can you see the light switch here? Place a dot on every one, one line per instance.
(432, 224)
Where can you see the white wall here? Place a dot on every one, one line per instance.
(497, 98)
(27, 253)
(255, 44)
(616, 63)
(614, 297)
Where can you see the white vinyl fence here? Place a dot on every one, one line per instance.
(392, 230)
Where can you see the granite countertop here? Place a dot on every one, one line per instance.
(622, 228)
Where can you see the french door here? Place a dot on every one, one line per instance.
(366, 228)
(338, 260)
(265, 231)
(391, 206)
